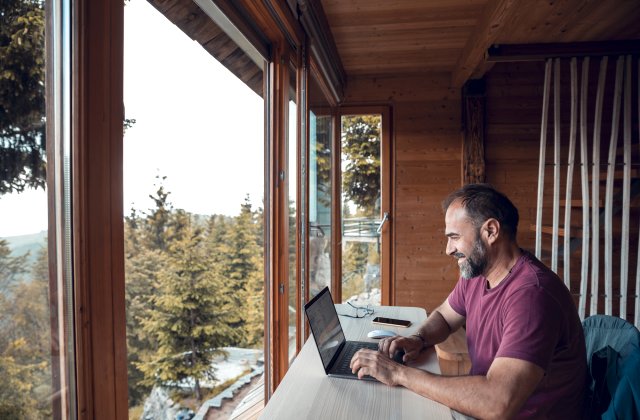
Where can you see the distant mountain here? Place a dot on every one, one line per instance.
(24, 243)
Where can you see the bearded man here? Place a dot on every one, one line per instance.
(525, 339)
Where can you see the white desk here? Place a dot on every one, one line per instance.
(307, 393)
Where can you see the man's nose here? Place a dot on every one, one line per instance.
(450, 249)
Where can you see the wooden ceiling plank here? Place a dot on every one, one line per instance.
(494, 18)
(220, 46)
(534, 20)
(371, 6)
(351, 36)
(421, 15)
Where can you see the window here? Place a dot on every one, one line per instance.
(361, 201)
(36, 347)
(320, 188)
(291, 174)
(193, 197)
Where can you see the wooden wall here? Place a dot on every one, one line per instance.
(513, 115)
(427, 166)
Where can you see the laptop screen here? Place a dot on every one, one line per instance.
(325, 325)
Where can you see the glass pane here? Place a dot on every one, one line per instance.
(292, 152)
(361, 195)
(321, 130)
(36, 349)
(320, 198)
(193, 193)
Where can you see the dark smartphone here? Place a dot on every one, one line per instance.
(391, 321)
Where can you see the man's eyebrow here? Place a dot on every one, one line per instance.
(450, 234)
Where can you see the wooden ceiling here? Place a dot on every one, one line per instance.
(409, 37)
(395, 37)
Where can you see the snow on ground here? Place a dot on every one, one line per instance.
(237, 362)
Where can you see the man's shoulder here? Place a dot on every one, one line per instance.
(532, 271)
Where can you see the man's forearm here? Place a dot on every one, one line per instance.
(435, 330)
(471, 395)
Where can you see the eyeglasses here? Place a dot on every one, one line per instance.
(361, 311)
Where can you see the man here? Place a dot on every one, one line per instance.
(524, 335)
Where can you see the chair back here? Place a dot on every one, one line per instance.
(601, 331)
(613, 348)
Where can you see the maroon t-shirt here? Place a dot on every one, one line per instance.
(530, 316)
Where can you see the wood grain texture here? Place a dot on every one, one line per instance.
(427, 152)
(382, 38)
(97, 211)
(491, 22)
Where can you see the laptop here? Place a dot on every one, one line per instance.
(335, 351)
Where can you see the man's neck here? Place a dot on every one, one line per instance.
(502, 265)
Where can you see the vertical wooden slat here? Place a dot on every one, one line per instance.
(570, 165)
(595, 188)
(543, 146)
(556, 165)
(584, 161)
(608, 206)
(626, 192)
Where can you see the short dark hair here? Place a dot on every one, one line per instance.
(482, 202)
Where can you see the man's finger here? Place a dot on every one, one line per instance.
(410, 356)
(393, 348)
(363, 371)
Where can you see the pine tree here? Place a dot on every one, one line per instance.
(25, 345)
(254, 288)
(141, 279)
(190, 318)
(241, 265)
(22, 95)
(11, 268)
(157, 220)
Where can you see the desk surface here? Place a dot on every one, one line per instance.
(307, 393)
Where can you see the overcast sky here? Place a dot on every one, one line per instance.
(196, 123)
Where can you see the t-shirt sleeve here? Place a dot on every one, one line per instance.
(532, 325)
(457, 298)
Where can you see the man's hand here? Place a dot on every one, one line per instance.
(376, 364)
(412, 346)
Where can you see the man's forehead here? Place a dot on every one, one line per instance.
(456, 218)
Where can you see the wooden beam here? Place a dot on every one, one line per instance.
(496, 14)
(473, 123)
(323, 46)
(539, 52)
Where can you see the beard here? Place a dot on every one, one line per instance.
(475, 262)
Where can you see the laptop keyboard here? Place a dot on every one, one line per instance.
(343, 366)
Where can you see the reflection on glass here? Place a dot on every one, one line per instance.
(361, 194)
(320, 127)
(35, 349)
(292, 152)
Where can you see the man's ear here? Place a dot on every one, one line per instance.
(491, 230)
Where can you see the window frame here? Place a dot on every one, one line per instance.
(387, 199)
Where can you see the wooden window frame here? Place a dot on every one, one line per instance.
(97, 208)
(98, 227)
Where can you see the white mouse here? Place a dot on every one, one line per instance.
(381, 334)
